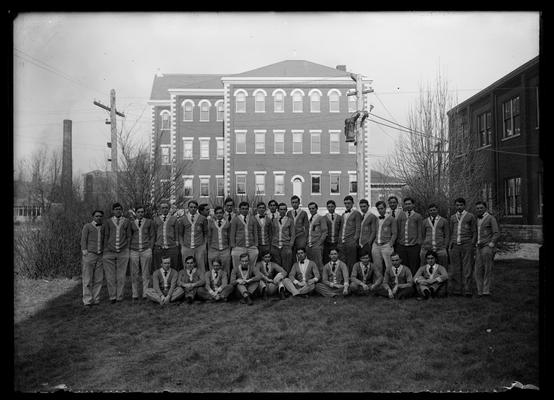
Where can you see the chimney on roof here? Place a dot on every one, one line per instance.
(341, 67)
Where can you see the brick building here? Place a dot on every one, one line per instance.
(502, 124)
(271, 132)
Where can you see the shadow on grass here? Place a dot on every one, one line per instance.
(315, 344)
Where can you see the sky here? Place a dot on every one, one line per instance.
(64, 61)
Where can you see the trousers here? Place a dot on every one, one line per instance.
(381, 255)
(140, 260)
(461, 268)
(282, 256)
(93, 274)
(484, 260)
(115, 269)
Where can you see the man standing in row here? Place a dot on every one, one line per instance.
(436, 236)
(368, 228)
(193, 229)
(409, 240)
(282, 239)
(263, 227)
(383, 246)
(243, 236)
(142, 240)
(487, 235)
(317, 233)
(334, 226)
(463, 238)
(300, 219)
(350, 234)
(218, 240)
(116, 252)
(92, 247)
(167, 237)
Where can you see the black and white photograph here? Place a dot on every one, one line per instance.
(221, 202)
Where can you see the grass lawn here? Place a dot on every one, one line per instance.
(315, 344)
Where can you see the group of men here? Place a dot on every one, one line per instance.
(274, 251)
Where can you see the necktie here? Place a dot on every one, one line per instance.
(431, 269)
(281, 221)
(333, 268)
(139, 222)
(244, 219)
(219, 223)
(164, 217)
(295, 213)
(347, 211)
(433, 220)
(192, 219)
(229, 217)
(393, 215)
(117, 219)
(98, 224)
(480, 216)
(311, 218)
(260, 216)
(381, 217)
(272, 217)
(267, 267)
(216, 275)
(332, 217)
(396, 270)
(409, 213)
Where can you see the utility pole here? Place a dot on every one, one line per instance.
(360, 140)
(113, 124)
(67, 170)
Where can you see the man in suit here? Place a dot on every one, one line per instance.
(272, 211)
(408, 241)
(366, 278)
(350, 234)
(164, 284)
(92, 238)
(303, 276)
(334, 226)
(393, 205)
(263, 227)
(300, 218)
(383, 246)
(282, 239)
(218, 240)
(245, 279)
(368, 228)
(463, 238)
(193, 230)
(229, 208)
(487, 236)
(143, 234)
(243, 236)
(317, 233)
(190, 279)
(167, 237)
(335, 279)
(430, 279)
(217, 285)
(397, 281)
(272, 276)
(116, 252)
(436, 236)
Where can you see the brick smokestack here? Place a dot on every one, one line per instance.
(67, 170)
(341, 67)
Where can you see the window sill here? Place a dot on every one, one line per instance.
(278, 194)
(338, 153)
(279, 153)
(510, 137)
(334, 194)
(315, 112)
(188, 120)
(297, 112)
(484, 147)
(278, 112)
(259, 112)
(315, 194)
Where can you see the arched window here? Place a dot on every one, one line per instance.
(165, 119)
(240, 101)
(220, 111)
(204, 110)
(352, 103)
(315, 100)
(259, 101)
(334, 100)
(297, 100)
(279, 101)
(187, 106)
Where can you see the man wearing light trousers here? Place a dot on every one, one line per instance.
(487, 235)
(142, 241)
(116, 252)
(92, 237)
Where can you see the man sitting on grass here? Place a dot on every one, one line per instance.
(303, 275)
(216, 283)
(430, 279)
(272, 276)
(190, 279)
(366, 277)
(245, 279)
(400, 278)
(165, 287)
(335, 280)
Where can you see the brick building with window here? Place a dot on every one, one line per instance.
(272, 132)
(502, 124)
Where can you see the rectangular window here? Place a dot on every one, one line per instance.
(240, 142)
(204, 149)
(204, 186)
(260, 184)
(279, 142)
(259, 138)
(351, 148)
(297, 142)
(166, 155)
(187, 148)
(220, 111)
(220, 148)
(484, 128)
(352, 183)
(241, 183)
(187, 186)
(335, 183)
(334, 102)
(510, 116)
(513, 196)
(279, 184)
(334, 143)
(165, 120)
(315, 143)
(486, 194)
(316, 184)
(220, 183)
